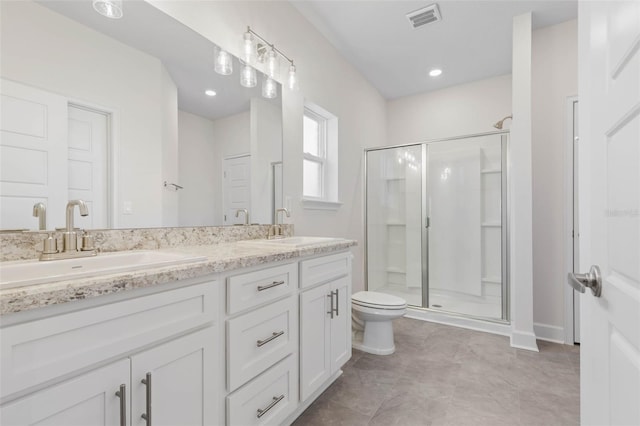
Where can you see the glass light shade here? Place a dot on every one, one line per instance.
(248, 76)
(109, 8)
(269, 88)
(224, 62)
(292, 80)
(272, 63)
(248, 48)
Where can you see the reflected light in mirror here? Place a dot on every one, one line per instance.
(269, 88)
(224, 63)
(109, 8)
(248, 76)
(210, 92)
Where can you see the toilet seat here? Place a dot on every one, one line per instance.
(375, 300)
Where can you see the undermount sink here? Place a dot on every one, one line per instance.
(292, 242)
(23, 273)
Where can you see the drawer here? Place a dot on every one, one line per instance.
(269, 399)
(255, 288)
(42, 350)
(323, 269)
(259, 339)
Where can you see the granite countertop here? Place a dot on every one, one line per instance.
(218, 258)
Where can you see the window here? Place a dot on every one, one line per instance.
(320, 158)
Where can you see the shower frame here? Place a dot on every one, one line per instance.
(504, 207)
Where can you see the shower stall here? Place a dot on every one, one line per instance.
(436, 224)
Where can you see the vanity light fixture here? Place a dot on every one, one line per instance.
(224, 62)
(435, 72)
(210, 92)
(109, 8)
(269, 88)
(248, 76)
(256, 48)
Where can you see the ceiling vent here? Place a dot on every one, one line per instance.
(424, 16)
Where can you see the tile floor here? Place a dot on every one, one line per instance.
(443, 375)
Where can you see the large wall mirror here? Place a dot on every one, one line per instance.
(114, 112)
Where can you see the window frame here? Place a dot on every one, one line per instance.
(321, 158)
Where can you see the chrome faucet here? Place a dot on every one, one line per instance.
(275, 231)
(69, 238)
(40, 211)
(246, 215)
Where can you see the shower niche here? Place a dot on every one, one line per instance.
(435, 219)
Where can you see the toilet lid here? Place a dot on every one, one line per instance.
(372, 298)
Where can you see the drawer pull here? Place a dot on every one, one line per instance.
(122, 394)
(275, 335)
(268, 286)
(276, 399)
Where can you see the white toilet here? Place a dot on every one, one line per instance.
(372, 314)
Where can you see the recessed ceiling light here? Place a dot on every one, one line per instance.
(435, 72)
(109, 8)
(210, 92)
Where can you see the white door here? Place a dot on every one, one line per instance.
(87, 164)
(609, 37)
(180, 387)
(89, 399)
(341, 323)
(33, 155)
(237, 188)
(315, 339)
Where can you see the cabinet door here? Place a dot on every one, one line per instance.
(341, 323)
(89, 399)
(181, 376)
(315, 340)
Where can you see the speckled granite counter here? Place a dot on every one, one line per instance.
(219, 258)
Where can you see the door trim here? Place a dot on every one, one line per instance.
(113, 150)
(570, 226)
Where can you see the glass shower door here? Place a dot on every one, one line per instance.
(395, 223)
(465, 241)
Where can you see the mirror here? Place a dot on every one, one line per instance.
(114, 112)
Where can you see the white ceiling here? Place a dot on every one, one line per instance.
(471, 42)
(187, 56)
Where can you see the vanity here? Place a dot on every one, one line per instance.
(237, 333)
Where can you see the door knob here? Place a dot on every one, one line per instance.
(592, 280)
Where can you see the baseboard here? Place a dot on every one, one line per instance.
(524, 340)
(500, 328)
(549, 333)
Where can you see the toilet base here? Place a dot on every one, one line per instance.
(376, 339)
(376, 351)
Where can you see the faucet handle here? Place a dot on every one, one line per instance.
(87, 242)
(50, 245)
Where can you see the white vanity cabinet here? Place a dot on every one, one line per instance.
(262, 345)
(89, 399)
(72, 368)
(325, 320)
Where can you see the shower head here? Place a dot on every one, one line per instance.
(498, 125)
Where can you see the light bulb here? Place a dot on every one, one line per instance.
(224, 62)
(248, 76)
(272, 63)
(269, 88)
(109, 8)
(292, 81)
(248, 48)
